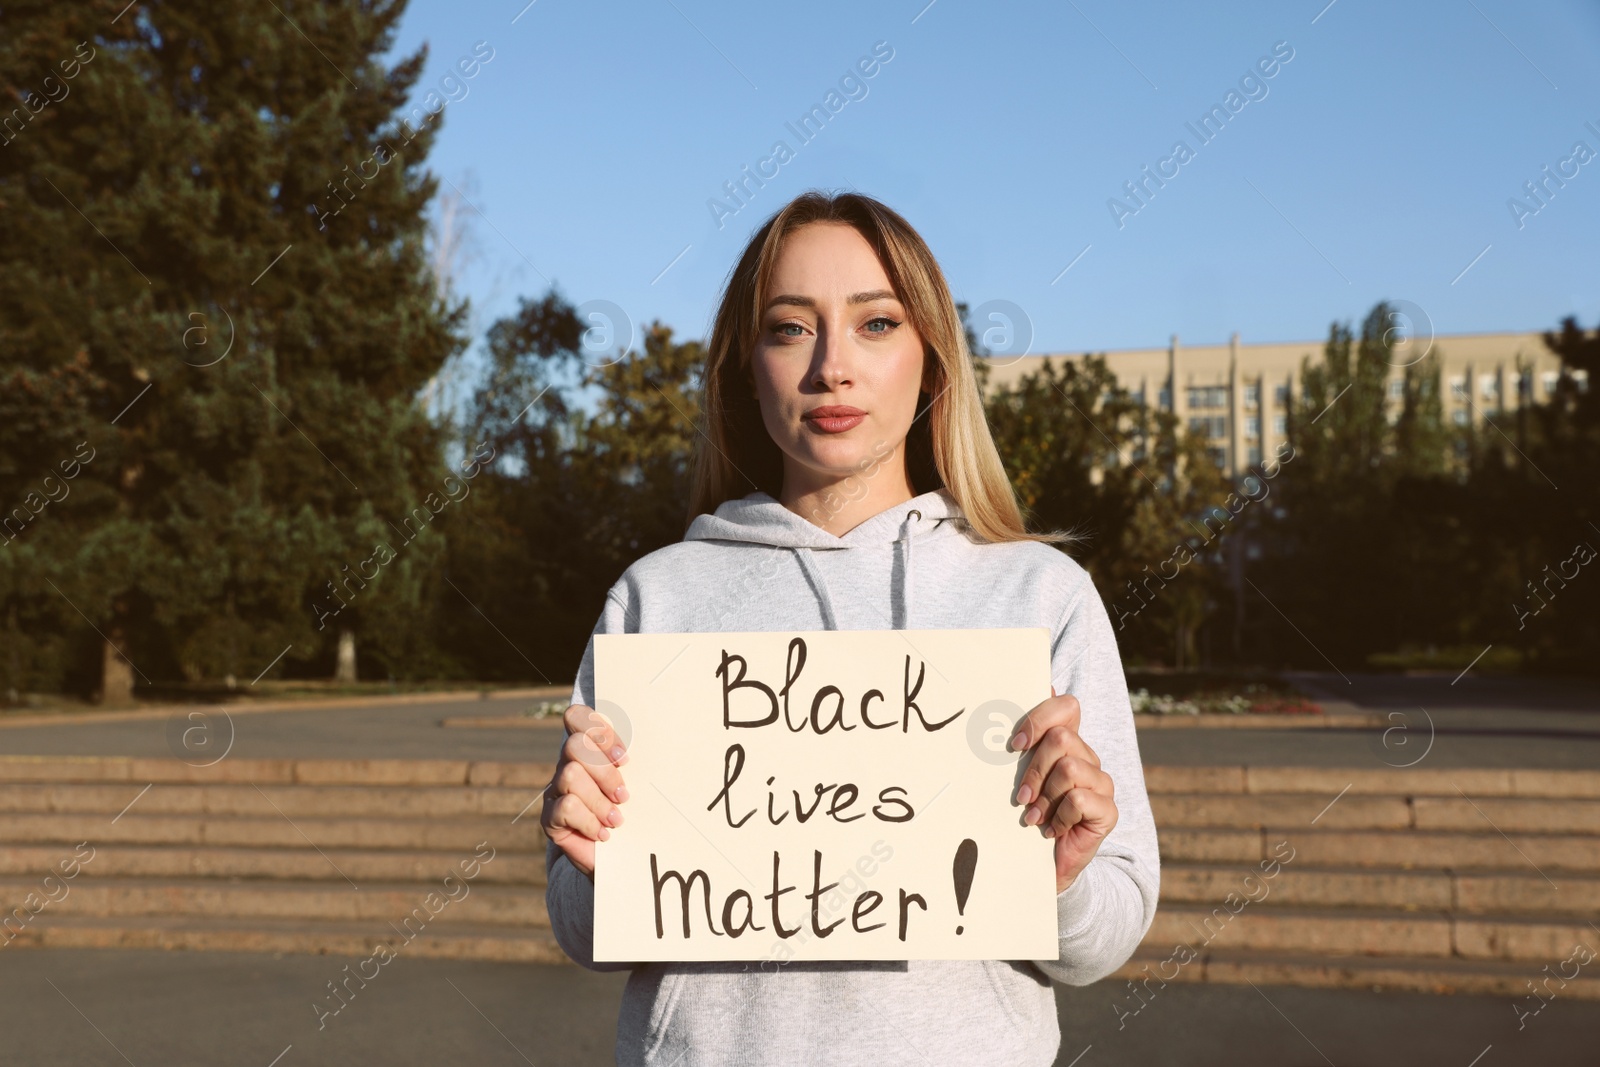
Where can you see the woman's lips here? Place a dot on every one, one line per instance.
(834, 419)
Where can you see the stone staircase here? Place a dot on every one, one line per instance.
(1473, 881)
(297, 856)
(1433, 880)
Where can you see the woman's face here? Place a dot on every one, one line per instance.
(835, 341)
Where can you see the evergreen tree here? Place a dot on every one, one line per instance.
(250, 357)
(1345, 550)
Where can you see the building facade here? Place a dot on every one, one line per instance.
(1238, 395)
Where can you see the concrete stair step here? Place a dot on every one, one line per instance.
(1329, 782)
(143, 770)
(1209, 884)
(1507, 814)
(276, 831)
(1370, 932)
(298, 864)
(270, 799)
(1354, 812)
(1250, 810)
(467, 941)
(1464, 892)
(1410, 849)
(1560, 977)
(426, 902)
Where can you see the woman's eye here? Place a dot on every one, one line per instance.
(782, 327)
(889, 324)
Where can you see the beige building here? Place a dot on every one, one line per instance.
(1238, 395)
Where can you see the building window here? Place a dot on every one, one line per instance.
(1489, 386)
(1461, 416)
(1209, 426)
(1166, 399)
(1397, 389)
(1551, 377)
(1281, 394)
(1582, 378)
(1219, 456)
(1252, 395)
(1280, 425)
(1525, 385)
(1138, 397)
(1458, 386)
(1252, 426)
(1208, 396)
(1255, 455)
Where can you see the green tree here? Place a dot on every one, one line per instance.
(1086, 456)
(593, 450)
(1353, 559)
(179, 204)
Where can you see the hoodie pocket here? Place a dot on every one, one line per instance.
(663, 1004)
(1001, 978)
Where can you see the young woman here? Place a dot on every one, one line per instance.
(846, 479)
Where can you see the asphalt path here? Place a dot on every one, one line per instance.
(85, 1008)
(1433, 720)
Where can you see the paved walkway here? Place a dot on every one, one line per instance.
(1491, 722)
(1433, 720)
(399, 731)
(83, 1008)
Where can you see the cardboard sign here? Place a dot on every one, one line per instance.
(823, 795)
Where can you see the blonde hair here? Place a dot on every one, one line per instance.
(949, 444)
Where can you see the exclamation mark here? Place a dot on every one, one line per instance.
(966, 864)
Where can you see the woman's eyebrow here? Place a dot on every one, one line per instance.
(854, 298)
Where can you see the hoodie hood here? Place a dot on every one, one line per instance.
(761, 519)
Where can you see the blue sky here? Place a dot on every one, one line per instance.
(1378, 163)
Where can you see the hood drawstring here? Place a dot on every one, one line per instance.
(814, 576)
(905, 573)
(817, 584)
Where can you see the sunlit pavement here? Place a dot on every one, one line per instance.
(85, 1008)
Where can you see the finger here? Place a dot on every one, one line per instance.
(578, 849)
(1060, 710)
(1090, 812)
(582, 720)
(1058, 742)
(1065, 774)
(574, 780)
(580, 750)
(569, 814)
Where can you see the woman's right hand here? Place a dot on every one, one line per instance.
(580, 803)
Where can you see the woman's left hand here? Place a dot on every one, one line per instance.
(1068, 796)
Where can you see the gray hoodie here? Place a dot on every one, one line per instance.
(757, 566)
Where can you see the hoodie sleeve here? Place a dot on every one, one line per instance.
(569, 893)
(1106, 911)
